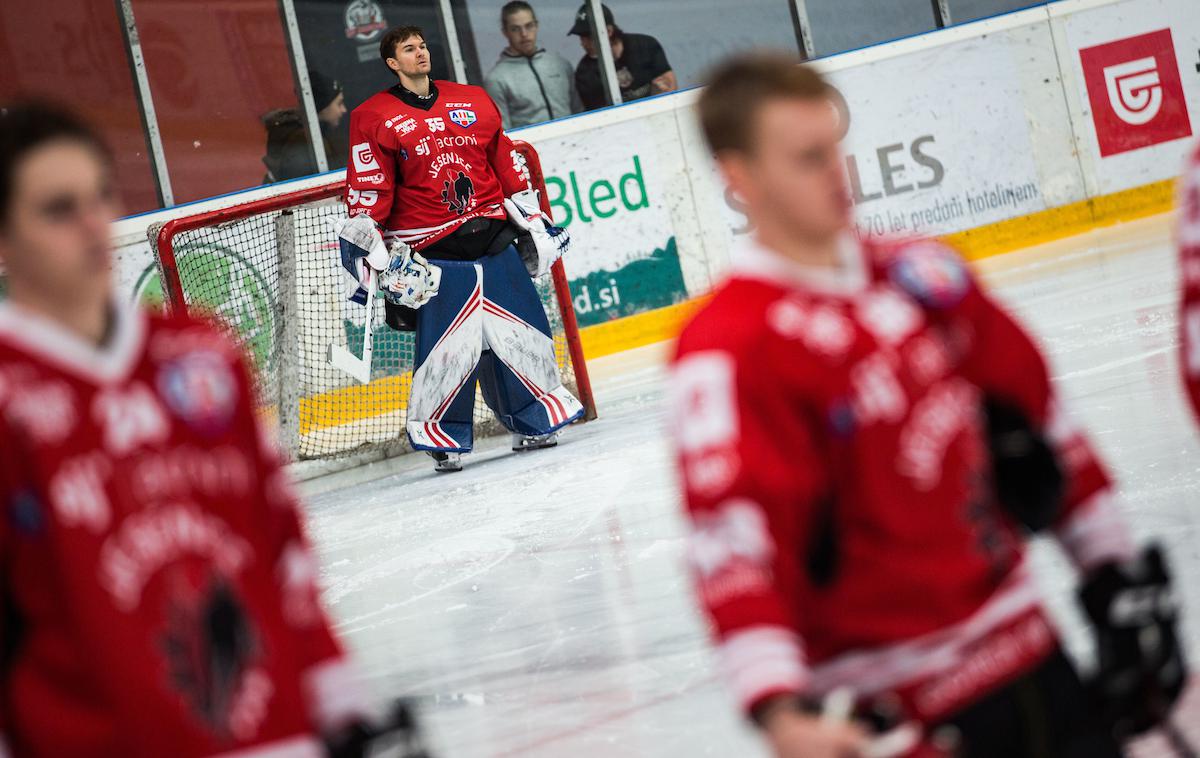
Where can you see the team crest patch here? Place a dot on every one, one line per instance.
(463, 117)
(932, 275)
(201, 390)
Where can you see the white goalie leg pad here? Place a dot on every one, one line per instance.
(445, 372)
(529, 354)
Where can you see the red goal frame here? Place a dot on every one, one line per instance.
(173, 283)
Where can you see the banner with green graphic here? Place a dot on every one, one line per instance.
(608, 188)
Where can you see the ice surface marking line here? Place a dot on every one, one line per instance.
(349, 626)
(607, 718)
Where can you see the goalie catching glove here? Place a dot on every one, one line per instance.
(549, 241)
(409, 279)
(405, 277)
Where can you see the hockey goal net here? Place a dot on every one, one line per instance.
(270, 270)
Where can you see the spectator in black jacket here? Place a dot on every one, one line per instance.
(642, 67)
(288, 153)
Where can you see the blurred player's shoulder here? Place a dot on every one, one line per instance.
(27, 338)
(929, 270)
(736, 317)
(172, 334)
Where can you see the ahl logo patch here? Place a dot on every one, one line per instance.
(200, 388)
(933, 276)
(463, 117)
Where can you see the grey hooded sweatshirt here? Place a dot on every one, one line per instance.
(532, 90)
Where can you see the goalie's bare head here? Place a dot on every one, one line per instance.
(775, 126)
(57, 204)
(405, 53)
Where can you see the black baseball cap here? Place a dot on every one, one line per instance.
(583, 20)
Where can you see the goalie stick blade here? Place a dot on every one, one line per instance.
(344, 360)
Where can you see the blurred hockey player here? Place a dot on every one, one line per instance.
(465, 236)
(866, 440)
(1189, 259)
(157, 593)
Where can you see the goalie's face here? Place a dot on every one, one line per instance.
(411, 58)
(54, 238)
(791, 176)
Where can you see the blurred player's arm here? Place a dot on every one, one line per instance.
(371, 170)
(749, 495)
(1189, 259)
(752, 482)
(7, 496)
(334, 695)
(1047, 474)
(1008, 367)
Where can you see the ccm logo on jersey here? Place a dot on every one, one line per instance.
(1136, 93)
(463, 117)
(364, 159)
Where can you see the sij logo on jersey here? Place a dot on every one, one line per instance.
(463, 117)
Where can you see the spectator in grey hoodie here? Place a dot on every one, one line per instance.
(529, 84)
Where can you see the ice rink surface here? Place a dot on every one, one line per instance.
(536, 605)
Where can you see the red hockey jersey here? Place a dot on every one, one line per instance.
(157, 594)
(422, 166)
(829, 435)
(1189, 259)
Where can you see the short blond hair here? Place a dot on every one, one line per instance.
(739, 88)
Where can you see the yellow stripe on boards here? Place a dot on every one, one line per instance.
(1064, 221)
(354, 403)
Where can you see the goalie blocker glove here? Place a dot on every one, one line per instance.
(549, 242)
(1140, 666)
(409, 280)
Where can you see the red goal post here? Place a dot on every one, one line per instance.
(270, 269)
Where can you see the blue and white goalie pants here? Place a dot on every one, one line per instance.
(486, 325)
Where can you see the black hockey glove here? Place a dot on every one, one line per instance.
(1140, 666)
(1029, 483)
(398, 737)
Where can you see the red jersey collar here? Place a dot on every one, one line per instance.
(50, 342)
(754, 260)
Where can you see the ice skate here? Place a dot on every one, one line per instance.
(522, 443)
(446, 463)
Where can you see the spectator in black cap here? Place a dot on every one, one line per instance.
(642, 67)
(288, 154)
